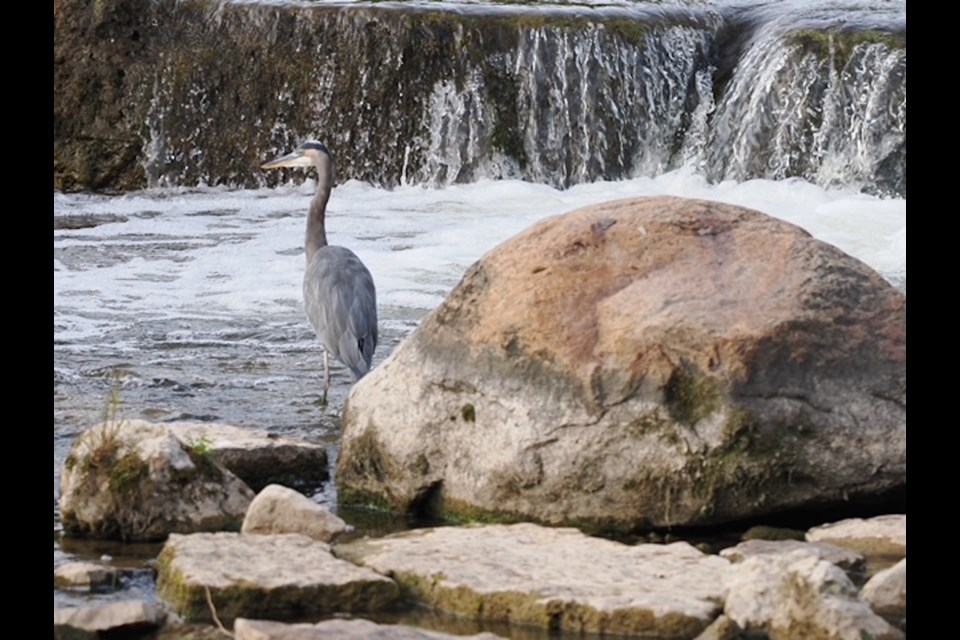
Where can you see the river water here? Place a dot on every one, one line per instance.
(189, 300)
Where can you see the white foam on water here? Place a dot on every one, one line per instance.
(215, 253)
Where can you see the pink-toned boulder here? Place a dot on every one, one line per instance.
(647, 362)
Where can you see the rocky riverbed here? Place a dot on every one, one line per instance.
(804, 345)
(522, 580)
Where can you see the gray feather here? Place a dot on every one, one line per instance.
(341, 304)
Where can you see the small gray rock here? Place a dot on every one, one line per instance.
(278, 509)
(85, 575)
(723, 628)
(886, 592)
(257, 457)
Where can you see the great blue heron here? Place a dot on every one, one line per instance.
(338, 290)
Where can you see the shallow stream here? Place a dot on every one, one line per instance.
(188, 301)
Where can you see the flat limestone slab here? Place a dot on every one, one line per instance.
(559, 579)
(882, 539)
(340, 630)
(277, 576)
(847, 559)
(85, 575)
(125, 615)
(257, 457)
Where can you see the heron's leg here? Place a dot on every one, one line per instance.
(326, 374)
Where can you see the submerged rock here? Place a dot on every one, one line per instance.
(86, 576)
(257, 457)
(264, 576)
(795, 596)
(340, 630)
(723, 628)
(557, 579)
(641, 363)
(133, 480)
(278, 509)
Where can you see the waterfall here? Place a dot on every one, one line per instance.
(439, 94)
(815, 104)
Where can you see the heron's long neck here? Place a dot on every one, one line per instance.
(316, 226)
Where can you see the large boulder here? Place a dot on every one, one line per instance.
(648, 362)
(133, 480)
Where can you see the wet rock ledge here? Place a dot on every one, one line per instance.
(518, 576)
(524, 576)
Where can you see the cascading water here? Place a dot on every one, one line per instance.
(566, 107)
(446, 93)
(816, 105)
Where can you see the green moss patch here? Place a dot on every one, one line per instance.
(690, 396)
(842, 42)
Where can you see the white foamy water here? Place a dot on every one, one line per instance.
(194, 297)
(228, 254)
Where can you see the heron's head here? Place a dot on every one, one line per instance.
(311, 152)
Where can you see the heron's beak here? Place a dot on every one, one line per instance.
(295, 159)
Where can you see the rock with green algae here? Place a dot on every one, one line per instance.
(133, 480)
(642, 363)
(275, 577)
(557, 579)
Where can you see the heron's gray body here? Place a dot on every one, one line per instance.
(341, 304)
(338, 292)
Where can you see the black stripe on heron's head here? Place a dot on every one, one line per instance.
(316, 144)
